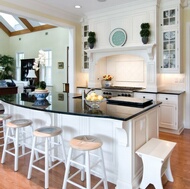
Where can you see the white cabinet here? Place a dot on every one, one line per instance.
(85, 59)
(151, 96)
(171, 113)
(170, 60)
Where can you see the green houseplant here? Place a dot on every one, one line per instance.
(91, 39)
(7, 65)
(145, 32)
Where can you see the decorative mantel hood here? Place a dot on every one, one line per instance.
(146, 52)
(140, 50)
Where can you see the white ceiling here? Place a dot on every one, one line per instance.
(87, 6)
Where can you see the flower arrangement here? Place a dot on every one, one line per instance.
(107, 77)
(39, 60)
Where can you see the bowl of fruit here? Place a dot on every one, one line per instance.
(94, 100)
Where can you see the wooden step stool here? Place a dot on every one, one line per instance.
(155, 155)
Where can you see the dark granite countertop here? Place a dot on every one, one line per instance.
(73, 104)
(172, 92)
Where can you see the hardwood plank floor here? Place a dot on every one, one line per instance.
(180, 165)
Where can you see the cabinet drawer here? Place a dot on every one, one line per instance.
(167, 98)
(145, 95)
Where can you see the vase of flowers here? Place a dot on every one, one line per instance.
(107, 81)
(39, 64)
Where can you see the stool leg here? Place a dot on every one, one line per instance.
(5, 146)
(168, 172)
(46, 164)
(67, 169)
(83, 169)
(16, 150)
(31, 158)
(63, 149)
(87, 166)
(3, 132)
(104, 170)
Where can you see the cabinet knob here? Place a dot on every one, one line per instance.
(166, 98)
(143, 96)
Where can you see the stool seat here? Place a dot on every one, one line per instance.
(85, 142)
(5, 116)
(19, 123)
(47, 131)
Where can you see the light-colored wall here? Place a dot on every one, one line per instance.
(55, 39)
(57, 18)
(4, 44)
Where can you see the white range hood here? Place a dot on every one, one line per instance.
(146, 52)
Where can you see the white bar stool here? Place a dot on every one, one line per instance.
(85, 144)
(47, 133)
(19, 138)
(3, 118)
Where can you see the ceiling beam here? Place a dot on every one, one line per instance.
(35, 29)
(5, 29)
(27, 24)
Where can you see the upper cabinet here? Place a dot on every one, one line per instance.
(170, 32)
(85, 59)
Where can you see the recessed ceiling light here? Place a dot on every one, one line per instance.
(77, 6)
(101, 0)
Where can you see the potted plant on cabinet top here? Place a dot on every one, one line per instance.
(91, 39)
(145, 32)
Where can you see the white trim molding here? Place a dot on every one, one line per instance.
(187, 103)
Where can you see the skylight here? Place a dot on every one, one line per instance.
(11, 21)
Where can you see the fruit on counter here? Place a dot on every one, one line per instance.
(94, 97)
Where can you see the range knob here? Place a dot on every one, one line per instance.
(129, 95)
(122, 94)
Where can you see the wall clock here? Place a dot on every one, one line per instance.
(118, 37)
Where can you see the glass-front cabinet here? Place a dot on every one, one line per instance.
(169, 17)
(85, 59)
(170, 46)
(169, 49)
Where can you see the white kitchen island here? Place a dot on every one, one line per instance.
(122, 129)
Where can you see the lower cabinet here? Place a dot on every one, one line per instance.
(171, 113)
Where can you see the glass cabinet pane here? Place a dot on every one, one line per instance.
(169, 49)
(169, 17)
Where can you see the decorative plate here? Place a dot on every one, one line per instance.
(118, 37)
(167, 35)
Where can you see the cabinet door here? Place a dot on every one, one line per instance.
(169, 17)
(85, 59)
(168, 116)
(169, 53)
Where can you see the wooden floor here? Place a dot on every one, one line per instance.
(180, 164)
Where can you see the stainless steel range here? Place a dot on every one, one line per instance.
(119, 91)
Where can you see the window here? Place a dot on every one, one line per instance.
(19, 57)
(48, 77)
